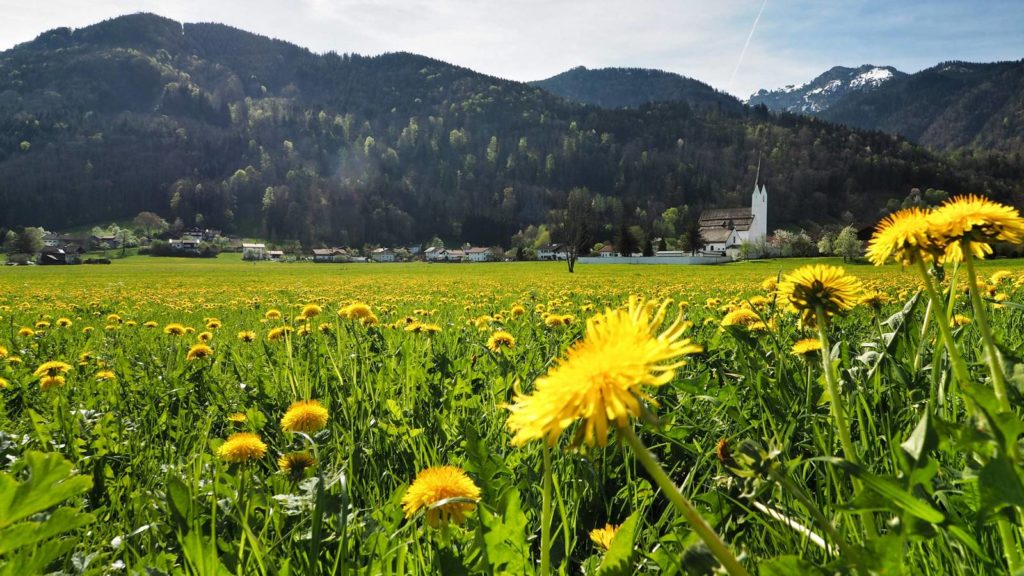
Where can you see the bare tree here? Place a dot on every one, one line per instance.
(572, 226)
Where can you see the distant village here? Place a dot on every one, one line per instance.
(58, 249)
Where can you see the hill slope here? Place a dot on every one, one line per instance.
(224, 128)
(632, 87)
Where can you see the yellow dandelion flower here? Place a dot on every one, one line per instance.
(959, 320)
(174, 329)
(769, 284)
(63, 322)
(435, 485)
(273, 314)
(4, 383)
(759, 301)
(279, 333)
(310, 310)
(875, 299)
(600, 379)
(247, 336)
(42, 325)
(500, 340)
(87, 330)
(999, 276)
(517, 310)
(977, 221)
(903, 237)
(806, 347)
(52, 368)
(295, 464)
(150, 324)
(47, 382)
(815, 286)
(603, 536)
(3, 352)
(106, 376)
(355, 311)
(213, 324)
(242, 447)
(198, 352)
(113, 318)
(744, 318)
(304, 416)
(555, 321)
(238, 417)
(205, 336)
(325, 328)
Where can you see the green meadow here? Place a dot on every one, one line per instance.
(120, 466)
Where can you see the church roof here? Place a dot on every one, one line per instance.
(726, 218)
(726, 214)
(715, 235)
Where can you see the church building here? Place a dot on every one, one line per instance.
(724, 230)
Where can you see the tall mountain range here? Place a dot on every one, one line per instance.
(223, 128)
(948, 106)
(826, 90)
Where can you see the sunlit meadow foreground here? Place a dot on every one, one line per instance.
(771, 417)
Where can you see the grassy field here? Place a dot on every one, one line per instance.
(125, 463)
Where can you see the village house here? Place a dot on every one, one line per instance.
(477, 254)
(454, 255)
(608, 251)
(254, 251)
(434, 254)
(52, 255)
(327, 255)
(108, 242)
(552, 252)
(275, 255)
(185, 245)
(382, 255)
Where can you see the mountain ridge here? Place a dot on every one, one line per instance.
(826, 89)
(224, 128)
(633, 87)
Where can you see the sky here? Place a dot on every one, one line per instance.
(713, 41)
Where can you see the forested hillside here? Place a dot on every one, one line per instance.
(634, 87)
(223, 128)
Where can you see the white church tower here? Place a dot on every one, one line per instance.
(758, 209)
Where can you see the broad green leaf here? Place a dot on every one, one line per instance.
(922, 441)
(50, 482)
(179, 501)
(894, 492)
(26, 534)
(1000, 485)
(619, 558)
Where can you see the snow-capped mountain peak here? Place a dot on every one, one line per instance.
(824, 91)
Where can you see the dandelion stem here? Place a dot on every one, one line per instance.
(546, 515)
(685, 507)
(839, 411)
(956, 360)
(981, 316)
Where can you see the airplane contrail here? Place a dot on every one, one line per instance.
(746, 44)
